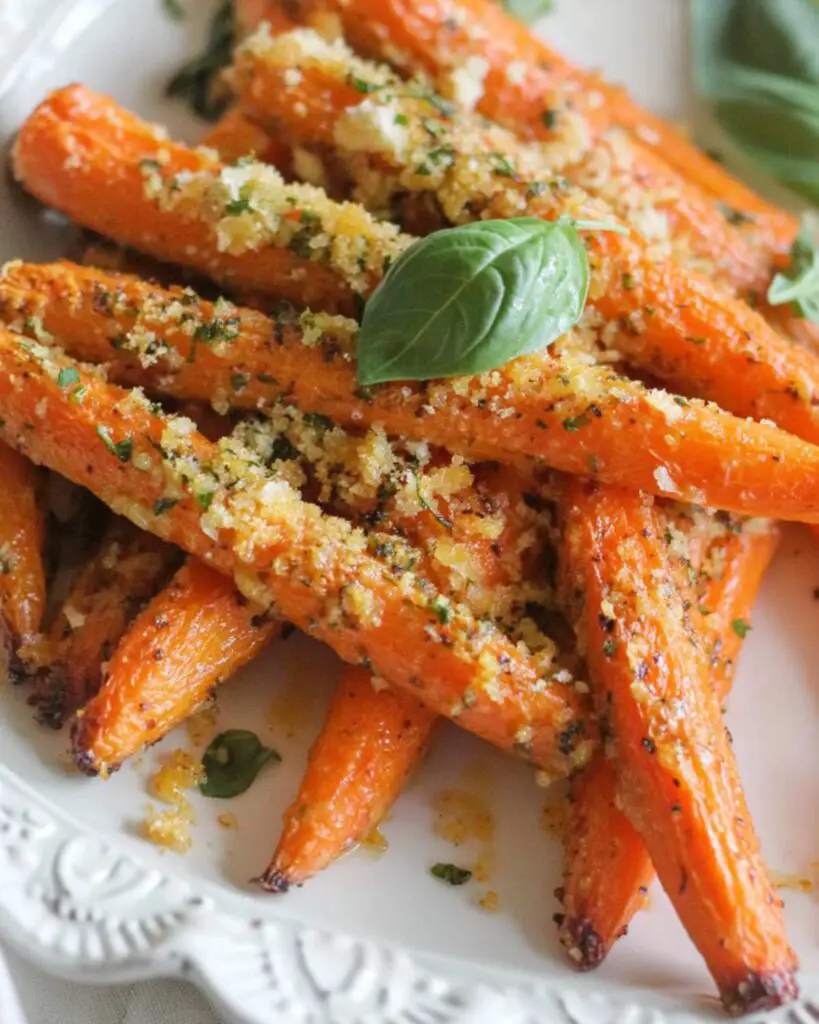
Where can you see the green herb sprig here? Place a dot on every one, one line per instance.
(232, 762)
(468, 299)
(196, 81)
(799, 284)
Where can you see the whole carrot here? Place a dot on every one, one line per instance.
(196, 632)
(607, 869)
(126, 570)
(231, 511)
(82, 154)
(676, 776)
(571, 416)
(369, 744)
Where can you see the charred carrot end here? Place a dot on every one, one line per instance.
(83, 155)
(607, 870)
(677, 779)
(125, 572)
(607, 867)
(371, 741)
(196, 633)
(571, 416)
(22, 530)
(244, 520)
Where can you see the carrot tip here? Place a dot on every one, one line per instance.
(583, 944)
(49, 700)
(85, 761)
(761, 992)
(273, 881)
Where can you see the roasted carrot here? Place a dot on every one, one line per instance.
(198, 631)
(79, 148)
(677, 326)
(521, 82)
(571, 416)
(656, 198)
(22, 530)
(676, 776)
(126, 570)
(493, 537)
(371, 741)
(607, 869)
(235, 514)
(666, 318)
(235, 136)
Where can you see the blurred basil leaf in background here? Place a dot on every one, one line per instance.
(756, 63)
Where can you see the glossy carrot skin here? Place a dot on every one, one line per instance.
(271, 541)
(85, 156)
(572, 417)
(22, 533)
(676, 775)
(607, 869)
(438, 36)
(677, 326)
(236, 136)
(127, 569)
(195, 633)
(370, 743)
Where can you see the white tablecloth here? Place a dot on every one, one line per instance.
(34, 998)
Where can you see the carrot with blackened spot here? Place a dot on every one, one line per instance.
(230, 510)
(571, 416)
(22, 533)
(195, 633)
(676, 775)
(127, 569)
(607, 869)
(111, 172)
(370, 743)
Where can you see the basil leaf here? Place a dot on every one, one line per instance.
(757, 62)
(468, 299)
(529, 11)
(232, 762)
(799, 284)
(451, 874)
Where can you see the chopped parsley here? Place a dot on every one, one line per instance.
(741, 627)
(121, 449)
(451, 873)
(67, 376)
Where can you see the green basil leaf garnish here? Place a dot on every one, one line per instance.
(468, 299)
(232, 762)
(451, 874)
(529, 11)
(799, 284)
(756, 63)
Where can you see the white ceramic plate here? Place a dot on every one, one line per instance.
(371, 940)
